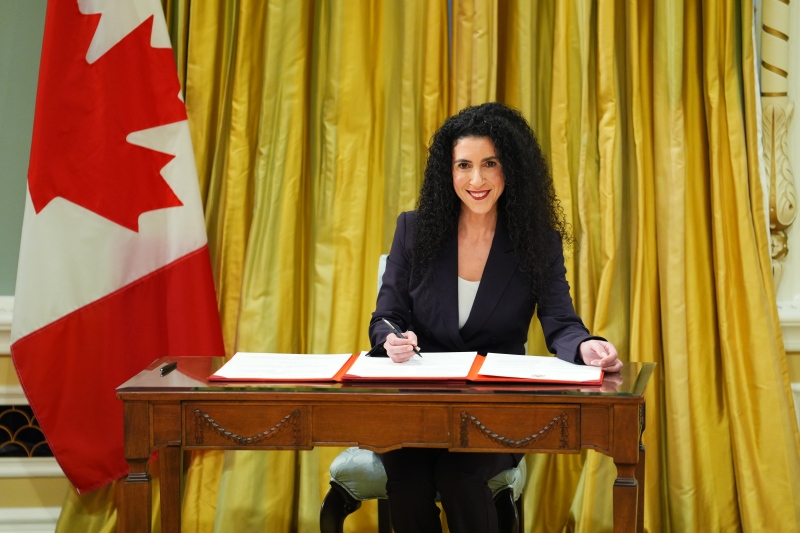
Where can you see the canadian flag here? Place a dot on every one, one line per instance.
(114, 269)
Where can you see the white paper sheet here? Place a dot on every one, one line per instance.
(432, 365)
(537, 367)
(282, 366)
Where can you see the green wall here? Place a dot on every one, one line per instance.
(21, 29)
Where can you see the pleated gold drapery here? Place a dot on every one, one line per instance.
(652, 142)
(653, 147)
(310, 122)
(323, 111)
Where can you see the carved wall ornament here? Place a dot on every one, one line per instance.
(783, 193)
(777, 111)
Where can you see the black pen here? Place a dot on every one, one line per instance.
(169, 367)
(377, 351)
(400, 335)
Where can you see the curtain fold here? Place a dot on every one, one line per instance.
(756, 391)
(176, 13)
(325, 132)
(224, 90)
(644, 159)
(310, 124)
(645, 331)
(473, 53)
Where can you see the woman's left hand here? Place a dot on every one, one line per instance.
(595, 352)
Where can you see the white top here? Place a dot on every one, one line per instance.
(466, 297)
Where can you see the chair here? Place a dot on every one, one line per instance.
(358, 475)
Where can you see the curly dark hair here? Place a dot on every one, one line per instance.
(532, 213)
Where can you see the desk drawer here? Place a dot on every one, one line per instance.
(249, 425)
(522, 427)
(382, 427)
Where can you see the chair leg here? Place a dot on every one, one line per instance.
(335, 508)
(384, 518)
(507, 517)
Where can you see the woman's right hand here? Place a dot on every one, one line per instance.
(398, 349)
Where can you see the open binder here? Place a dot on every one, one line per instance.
(511, 368)
(435, 366)
(252, 366)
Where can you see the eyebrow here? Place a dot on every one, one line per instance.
(482, 160)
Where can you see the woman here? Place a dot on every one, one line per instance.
(465, 272)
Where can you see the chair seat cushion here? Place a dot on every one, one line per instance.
(361, 474)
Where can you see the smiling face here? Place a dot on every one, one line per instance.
(477, 176)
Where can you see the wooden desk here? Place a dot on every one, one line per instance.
(182, 411)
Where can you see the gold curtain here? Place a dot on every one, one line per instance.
(325, 112)
(313, 122)
(652, 143)
(310, 122)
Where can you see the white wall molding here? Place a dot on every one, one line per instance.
(796, 395)
(6, 309)
(29, 467)
(789, 314)
(28, 519)
(12, 395)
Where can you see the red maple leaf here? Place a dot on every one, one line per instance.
(85, 112)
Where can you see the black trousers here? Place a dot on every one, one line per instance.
(415, 475)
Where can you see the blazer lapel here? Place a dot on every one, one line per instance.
(446, 280)
(500, 267)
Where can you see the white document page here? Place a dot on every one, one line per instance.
(432, 365)
(279, 366)
(537, 367)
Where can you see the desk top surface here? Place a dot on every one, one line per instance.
(191, 373)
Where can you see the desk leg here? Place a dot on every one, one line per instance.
(640, 481)
(134, 502)
(134, 510)
(627, 460)
(626, 493)
(169, 458)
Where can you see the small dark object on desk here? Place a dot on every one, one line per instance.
(169, 367)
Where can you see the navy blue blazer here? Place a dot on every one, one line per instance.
(500, 315)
